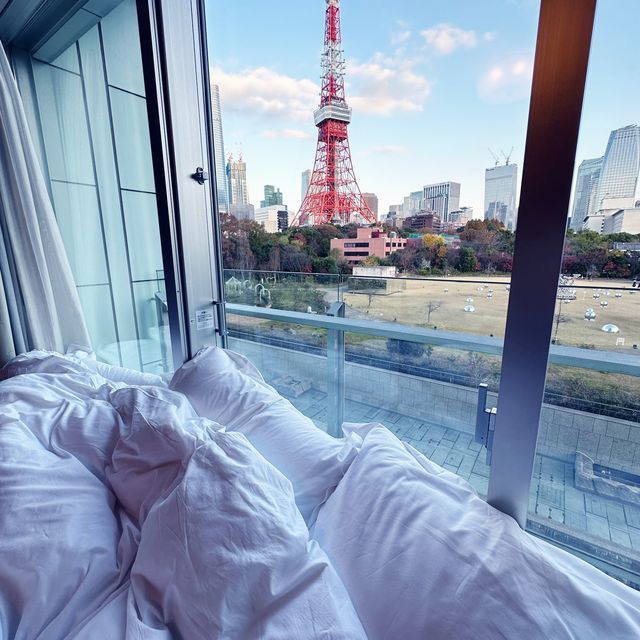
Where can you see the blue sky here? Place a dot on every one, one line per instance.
(432, 83)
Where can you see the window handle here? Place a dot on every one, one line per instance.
(200, 175)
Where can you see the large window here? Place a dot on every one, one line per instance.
(586, 483)
(404, 332)
(88, 112)
(382, 298)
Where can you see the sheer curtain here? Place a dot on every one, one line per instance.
(39, 304)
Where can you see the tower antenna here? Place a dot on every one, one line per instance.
(333, 195)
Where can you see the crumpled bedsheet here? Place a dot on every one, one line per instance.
(125, 515)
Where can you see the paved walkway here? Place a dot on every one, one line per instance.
(553, 496)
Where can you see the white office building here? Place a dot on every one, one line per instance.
(304, 185)
(586, 191)
(623, 221)
(620, 166)
(442, 198)
(412, 203)
(218, 149)
(597, 221)
(237, 181)
(274, 218)
(500, 192)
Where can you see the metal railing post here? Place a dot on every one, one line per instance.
(335, 373)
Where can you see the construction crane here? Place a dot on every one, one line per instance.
(506, 157)
(495, 158)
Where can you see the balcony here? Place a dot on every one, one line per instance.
(410, 353)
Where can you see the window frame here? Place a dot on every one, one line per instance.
(190, 233)
(560, 69)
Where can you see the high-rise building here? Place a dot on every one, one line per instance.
(237, 181)
(620, 166)
(372, 200)
(218, 149)
(459, 218)
(441, 198)
(412, 203)
(242, 211)
(394, 215)
(584, 199)
(500, 186)
(273, 218)
(304, 186)
(272, 196)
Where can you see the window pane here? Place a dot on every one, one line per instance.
(92, 117)
(584, 493)
(418, 292)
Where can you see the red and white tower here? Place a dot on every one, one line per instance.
(333, 195)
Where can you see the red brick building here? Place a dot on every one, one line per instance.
(426, 222)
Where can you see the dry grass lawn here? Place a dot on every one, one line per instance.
(410, 302)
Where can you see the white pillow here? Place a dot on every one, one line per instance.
(422, 556)
(226, 388)
(226, 554)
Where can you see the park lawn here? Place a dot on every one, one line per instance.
(410, 302)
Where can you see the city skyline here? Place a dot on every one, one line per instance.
(431, 88)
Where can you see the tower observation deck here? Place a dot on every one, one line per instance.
(333, 195)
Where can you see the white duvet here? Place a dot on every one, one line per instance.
(125, 515)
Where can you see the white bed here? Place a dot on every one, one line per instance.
(211, 508)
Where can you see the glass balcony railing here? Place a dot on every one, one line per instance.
(410, 353)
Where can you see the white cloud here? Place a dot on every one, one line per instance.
(386, 86)
(489, 36)
(507, 81)
(381, 86)
(445, 38)
(265, 92)
(388, 150)
(286, 133)
(400, 37)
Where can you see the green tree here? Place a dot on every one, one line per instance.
(325, 265)
(403, 348)
(467, 260)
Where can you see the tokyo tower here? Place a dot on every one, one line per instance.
(333, 195)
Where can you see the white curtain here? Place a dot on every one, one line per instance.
(39, 303)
